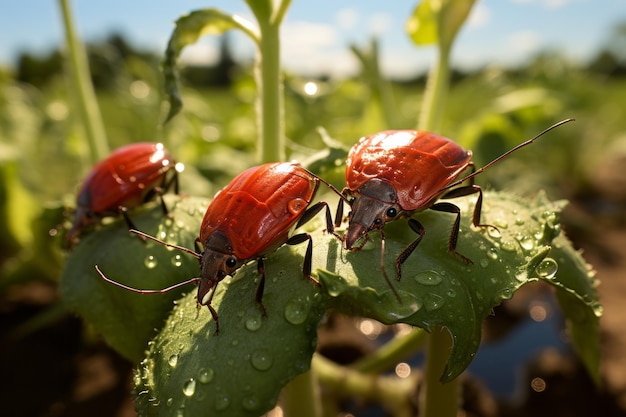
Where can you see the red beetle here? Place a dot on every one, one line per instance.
(249, 219)
(130, 176)
(396, 173)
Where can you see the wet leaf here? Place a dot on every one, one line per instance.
(437, 289)
(128, 320)
(240, 371)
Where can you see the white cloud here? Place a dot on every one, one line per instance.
(524, 42)
(379, 23)
(347, 18)
(480, 16)
(547, 4)
(315, 48)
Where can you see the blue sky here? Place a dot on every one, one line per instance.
(316, 34)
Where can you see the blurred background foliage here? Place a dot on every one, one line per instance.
(43, 158)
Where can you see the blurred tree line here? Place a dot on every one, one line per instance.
(107, 59)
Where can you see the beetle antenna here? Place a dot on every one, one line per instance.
(504, 155)
(171, 245)
(329, 185)
(140, 291)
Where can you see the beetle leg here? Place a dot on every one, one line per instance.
(468, 190)
(216, 318)
(308, 257)
(382, 265)
(418, 228)
(129, 221)
(260, 265)
(312, 212)
(454, 234)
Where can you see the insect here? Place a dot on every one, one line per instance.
(129, 177)
(248, 219)
(396, 173)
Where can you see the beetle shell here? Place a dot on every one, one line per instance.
(259, 207)
(124, 179)
(416, 164)
(251, 217)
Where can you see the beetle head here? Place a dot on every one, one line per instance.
(374, 204)
(217, 262)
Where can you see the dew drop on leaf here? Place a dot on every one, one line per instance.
(150, 262)
(177, 260)
(189, 387)
(548, 268)
(254, 323)
(205, 375)
(433, 301)
(250, 403)
(261, 360)
(428, 278)
(221, 402)
(296, 310)
(173, 360)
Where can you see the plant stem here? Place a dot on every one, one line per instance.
(392, 392)
(439, 400)
(300, 397)
(433, 103)
(87, 103)
(388, 355)
(269, 83)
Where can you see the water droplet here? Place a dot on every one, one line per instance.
(493, 253)
(521, 276)
(189, 387)
(221, 402)
(177, 260)
(494, 232)
(205, 375)
(527, 243)
(433, 302)
(409, 304)
(508, 245)
(261, 360)
(598, 309)
(484, 263)
(169, 402)
(250, 403)
(451, 293)
(505, 294)
(150, 262)
(500, 223)
(519, 221)
(428, 278)
(173, 360)
(494, 280)
(296, 310)
(254, 323)
(547, 268)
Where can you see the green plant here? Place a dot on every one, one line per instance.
(188, 370)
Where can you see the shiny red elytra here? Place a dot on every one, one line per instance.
(397, 173)
(129, 177)
(247, 220)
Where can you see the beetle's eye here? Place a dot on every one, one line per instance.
(392, 212)
(231, 262)
(351, 200)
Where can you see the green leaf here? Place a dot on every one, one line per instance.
(128, 320)
(422, 24)
(190, 28)
(575, 285)
(240, 371)
(438, 21)
(437, 289)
